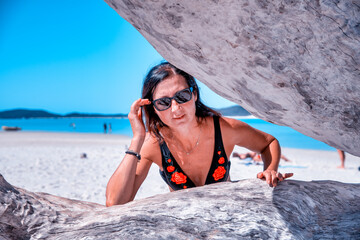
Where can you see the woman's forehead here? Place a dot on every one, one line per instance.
(169, 86)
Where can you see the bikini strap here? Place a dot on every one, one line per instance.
(219, 169)
(164, 149)
(165, 153)
(218, 137)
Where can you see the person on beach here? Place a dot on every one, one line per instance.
(110, 128)
(342, 158)
(255, 156)
(190, 142)
(105, 128)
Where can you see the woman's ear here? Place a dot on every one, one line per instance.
(195, 94)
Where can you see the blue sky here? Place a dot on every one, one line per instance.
(65, 56)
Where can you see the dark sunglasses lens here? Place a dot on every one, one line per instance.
(183, 96)
(163, 103)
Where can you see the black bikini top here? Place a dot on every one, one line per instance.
(176, 178)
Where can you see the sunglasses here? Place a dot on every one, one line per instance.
(180, 97)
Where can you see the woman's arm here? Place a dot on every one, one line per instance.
(271, 158)
(271, 155)
(121, 187)
(241, 134)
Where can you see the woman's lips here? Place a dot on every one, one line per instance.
(178, 117)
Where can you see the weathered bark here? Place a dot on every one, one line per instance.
(293, 63)
(247, 209)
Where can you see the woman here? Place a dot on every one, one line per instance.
(190, 142)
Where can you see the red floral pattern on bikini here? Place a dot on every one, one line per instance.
(221, 160)
(178, 178)
(219, 173)
(170, 168)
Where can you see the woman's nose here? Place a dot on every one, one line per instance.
(174, 105)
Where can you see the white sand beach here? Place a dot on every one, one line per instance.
(52, 163)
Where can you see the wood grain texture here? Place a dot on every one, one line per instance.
(247, 209)
(293, 63)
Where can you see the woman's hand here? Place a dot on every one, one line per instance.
(135, 118)
(272, 177)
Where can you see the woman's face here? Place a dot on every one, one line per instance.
(177, 114)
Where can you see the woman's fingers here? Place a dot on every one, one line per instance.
(144, 102)
(272, 177)
(135, 117)
(266, 175)
(139, 113)
(135, 109)
(287, 175)
(138, 104)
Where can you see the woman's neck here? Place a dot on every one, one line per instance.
(185, 137)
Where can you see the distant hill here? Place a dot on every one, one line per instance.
(27, 113)
(233, 111)
(75, 114)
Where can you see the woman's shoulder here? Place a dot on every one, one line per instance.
(233, 129)
(150, 140)
(151, 148)
(226, 123)
(231, 123)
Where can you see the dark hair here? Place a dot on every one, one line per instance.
(156, 75)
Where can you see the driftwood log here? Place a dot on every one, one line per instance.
(293, 63)
(247, 209)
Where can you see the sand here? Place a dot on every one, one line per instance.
(53, 163)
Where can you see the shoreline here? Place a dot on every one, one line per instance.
(53, 163)
(32, 118)
(116, 135)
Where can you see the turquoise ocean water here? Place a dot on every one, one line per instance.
(286, 136)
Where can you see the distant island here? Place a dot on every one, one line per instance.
(235, 110)
(28, 113)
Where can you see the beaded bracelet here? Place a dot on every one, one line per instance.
(134, 153)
